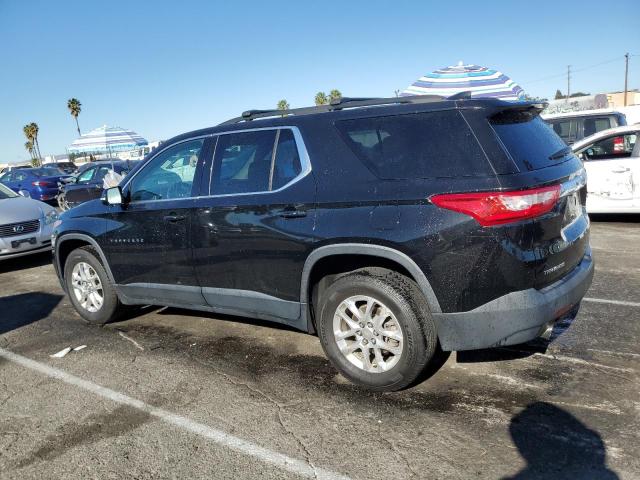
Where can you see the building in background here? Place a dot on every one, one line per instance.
(616, 99)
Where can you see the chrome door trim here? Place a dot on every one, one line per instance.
(305, 163)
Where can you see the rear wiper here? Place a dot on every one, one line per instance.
(563, 152)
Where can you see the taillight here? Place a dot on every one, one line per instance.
(498, 208)
(42, 183)
(618, 144)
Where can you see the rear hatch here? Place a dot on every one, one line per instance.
(556, 241)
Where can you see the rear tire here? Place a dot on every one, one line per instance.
(376, 329)
(89, 288)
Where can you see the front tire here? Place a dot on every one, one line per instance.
(62, 202)
(376, 329)
(89, 288)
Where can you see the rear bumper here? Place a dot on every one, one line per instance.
(516, 317)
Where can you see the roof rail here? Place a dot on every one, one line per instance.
(336, 104)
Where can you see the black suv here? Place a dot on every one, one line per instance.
(394, 228)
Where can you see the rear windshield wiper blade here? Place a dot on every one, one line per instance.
(563, 152)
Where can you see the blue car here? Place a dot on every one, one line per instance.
(38, 183)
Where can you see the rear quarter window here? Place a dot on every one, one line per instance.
(421, 145)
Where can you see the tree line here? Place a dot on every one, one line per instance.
(31, 131)
(321, 98)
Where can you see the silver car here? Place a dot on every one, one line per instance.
(25, 225)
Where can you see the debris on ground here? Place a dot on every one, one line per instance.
(61, 353)
(64, 351)
(127, 337)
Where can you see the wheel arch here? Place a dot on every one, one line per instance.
(67, 243)
(388, 255)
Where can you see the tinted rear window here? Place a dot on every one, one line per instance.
(435, 144)
(528, 140)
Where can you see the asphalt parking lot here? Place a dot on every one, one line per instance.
(174, 394)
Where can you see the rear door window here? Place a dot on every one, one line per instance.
(529, 140)
(287, 164)
(255, 161)
(243, 162)
(422, 145)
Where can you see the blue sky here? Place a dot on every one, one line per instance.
(166, 67)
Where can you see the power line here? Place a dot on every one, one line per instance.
(573, 70)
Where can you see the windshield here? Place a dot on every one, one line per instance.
(6, 192)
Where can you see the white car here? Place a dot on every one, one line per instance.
(25, 225)
(612, 160)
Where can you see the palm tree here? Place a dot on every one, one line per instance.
(31, 132)
(29, 147)
(334, 94)
(75, 107)
(321, 98)
(35, 129)
(283, 105)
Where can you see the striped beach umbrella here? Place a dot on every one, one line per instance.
(480, 81)
(107, 139)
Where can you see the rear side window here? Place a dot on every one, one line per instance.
(434, 144)
(566, 130)
(595, 125)
(528, 140)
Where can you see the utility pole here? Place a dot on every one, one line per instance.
(568, 82)
(626, 76)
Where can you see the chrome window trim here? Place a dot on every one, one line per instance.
(305, 163)
(129, 180)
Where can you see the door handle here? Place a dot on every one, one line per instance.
(174, 218)
(620, 170)
(293, 212)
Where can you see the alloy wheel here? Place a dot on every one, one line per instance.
(87, 287)
(368, 334)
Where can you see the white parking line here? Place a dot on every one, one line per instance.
(279, 460)
(612, 302)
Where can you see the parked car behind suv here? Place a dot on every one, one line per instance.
(392, 228)
(574, 126)
(89, 183)
(38, 183)
(612, 160)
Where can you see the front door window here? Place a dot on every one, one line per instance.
(169, 175)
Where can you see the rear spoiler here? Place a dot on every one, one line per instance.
(515, 112)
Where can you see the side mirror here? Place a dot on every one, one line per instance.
(113, 196)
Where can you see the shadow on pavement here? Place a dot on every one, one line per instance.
(28, 261)
(613, 217)
(556, 445)
(22, 309)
